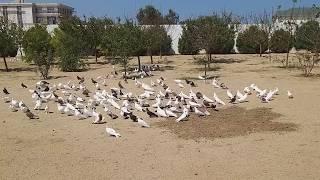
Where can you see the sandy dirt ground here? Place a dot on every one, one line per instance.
(60, 147)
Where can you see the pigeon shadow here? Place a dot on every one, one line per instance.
(226, 61)
(19, 69)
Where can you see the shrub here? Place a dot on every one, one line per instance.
(279, 41)
(37, 48)
(307, 61)
(253, 41)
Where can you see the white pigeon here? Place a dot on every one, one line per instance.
(161, 94)
(243, 98)
(170, 113)
(269, 96)
(201, 77)
(194, 104)
(159, 81)
(262, 93)
(86, 112)
(46, 109)
(113, 103)
(142, 123)
(168, 90)
(14, 103)
(198, 112)
(138, 107)
(180, 85)
(6, 99)
(290, 95)
(183, 115)
(276, 91)
(215, 83)
(13, 108)
(38, 104)
(158, 103)
(61, 108)
(153, 84)
(160, 112)
(147, 87)
(239, 95)
(78, 114)
(230, 95)
(207, 99)
(219, 101)
(112, 132)
(247, 90)
(184, 95)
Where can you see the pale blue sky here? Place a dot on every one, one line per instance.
(185, 8)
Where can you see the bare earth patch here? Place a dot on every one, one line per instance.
(230, 122)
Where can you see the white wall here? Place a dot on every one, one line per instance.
(27, 15)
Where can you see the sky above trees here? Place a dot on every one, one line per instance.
(185, 8)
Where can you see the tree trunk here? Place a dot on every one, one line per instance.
(287, 58)
(96, 54)
(20, 50)
(5, 63)
(205, 70)
(269, 51)
(208, 61)
(139, 63)
(151, 58)
(260, 50)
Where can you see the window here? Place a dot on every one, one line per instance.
(50, 10)
(52, 20)
(39, 20)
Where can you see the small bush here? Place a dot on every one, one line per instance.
(253, 41)
(307, 62)
(279, 41)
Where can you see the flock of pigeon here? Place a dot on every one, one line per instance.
(78, 101)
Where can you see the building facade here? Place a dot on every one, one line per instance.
(28, 14)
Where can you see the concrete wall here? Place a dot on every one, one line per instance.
(27, 15)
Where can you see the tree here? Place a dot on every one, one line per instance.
(214, 34)
(171, 18)
(70, 44)
(253, 40)
(37, 48)
(187, 43)
(7, 43)
(266, 23)
(95, 29)
(18, 35)
(278, 41)
(122, 42)
(308, 36)
(156, 41)
(139, 42)
(149, 15)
